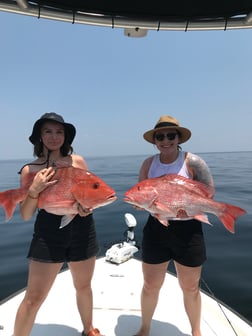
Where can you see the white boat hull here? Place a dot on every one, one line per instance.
(116, 291)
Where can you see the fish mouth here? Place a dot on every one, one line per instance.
(128, 200)
(112, 198)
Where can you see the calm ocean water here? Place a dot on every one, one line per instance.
(228, 270)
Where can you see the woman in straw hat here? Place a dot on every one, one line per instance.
(180, 242)
(52, 138)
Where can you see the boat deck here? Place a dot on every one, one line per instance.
(116, 291)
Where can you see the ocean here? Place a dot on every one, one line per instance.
(228, 269)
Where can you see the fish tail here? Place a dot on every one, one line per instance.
(229, 215)
(8, 202)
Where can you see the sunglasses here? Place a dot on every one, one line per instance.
(169, 136)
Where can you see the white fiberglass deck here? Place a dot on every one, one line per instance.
(116, 291)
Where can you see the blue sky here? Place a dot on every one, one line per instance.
(114, 88)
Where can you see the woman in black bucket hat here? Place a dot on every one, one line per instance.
(70, 130)
(51, 245)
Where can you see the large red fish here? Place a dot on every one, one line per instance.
(75, 186)
(173, 196)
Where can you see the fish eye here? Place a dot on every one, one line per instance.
(138, 188)
(96, 185)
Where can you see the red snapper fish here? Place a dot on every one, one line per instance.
(176, 197)
(75, 186)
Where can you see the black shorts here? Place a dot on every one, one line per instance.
(74, 242)
(182, 241)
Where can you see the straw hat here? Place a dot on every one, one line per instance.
(165, 122)
(70, 130)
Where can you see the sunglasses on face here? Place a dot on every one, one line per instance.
(169, 136)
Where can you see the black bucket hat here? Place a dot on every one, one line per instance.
(51, 116)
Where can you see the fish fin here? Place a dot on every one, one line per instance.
(8, 202)
(229, 215)
(162, 220)
(202, 218)
(65, 220)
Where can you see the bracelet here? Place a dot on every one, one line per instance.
(32, 197)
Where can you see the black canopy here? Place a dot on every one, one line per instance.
(139, 14)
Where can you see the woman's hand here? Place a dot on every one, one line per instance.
(83, 212)
(41, 181)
